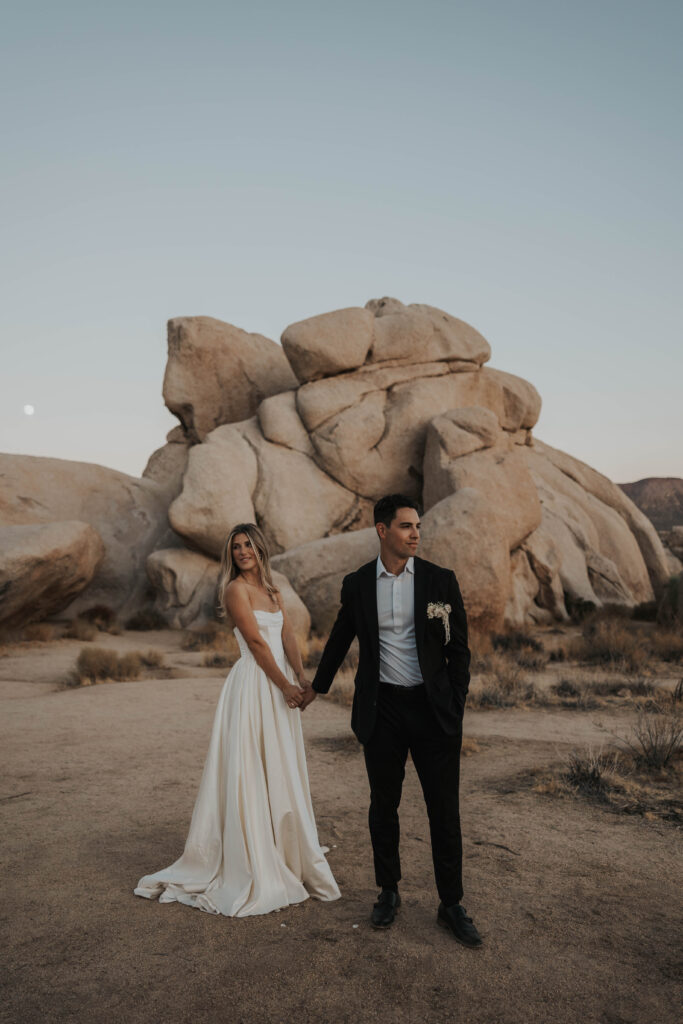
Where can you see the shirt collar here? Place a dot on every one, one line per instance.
(381, 571)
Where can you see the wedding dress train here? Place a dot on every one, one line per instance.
(253, 844)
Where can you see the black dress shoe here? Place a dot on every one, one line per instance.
(460, 926)
(384, 910)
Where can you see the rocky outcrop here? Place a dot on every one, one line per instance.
(239, 476)
(316, 570)
(185, 583)
(304, 438)
(43, 566)
(660, 498)
(217, 373)
(128, 513)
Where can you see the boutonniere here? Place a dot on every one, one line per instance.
(439, 610)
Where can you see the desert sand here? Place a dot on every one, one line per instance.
(577, 904)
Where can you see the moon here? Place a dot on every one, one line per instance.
(29, 410)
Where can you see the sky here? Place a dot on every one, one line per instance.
(517, 164)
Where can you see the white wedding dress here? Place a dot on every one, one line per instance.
(253, 844)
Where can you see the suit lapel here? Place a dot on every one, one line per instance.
(420, 603)
(369, 599)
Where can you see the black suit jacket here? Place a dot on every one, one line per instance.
(444, 666)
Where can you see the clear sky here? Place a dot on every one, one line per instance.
(515, 163)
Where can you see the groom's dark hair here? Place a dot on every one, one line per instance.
(387, 507)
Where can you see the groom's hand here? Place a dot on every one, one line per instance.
(309, 696)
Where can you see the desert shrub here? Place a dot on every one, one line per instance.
(95, 663)
(677, 695)
(146, 619)
(566, 688)
(214, 636)
(215, 659)
(80, 629)
(646, 611)
(666, 644)
(101, 615)
(578, 609)
(620, 687)
(667, 609)
(557, 654)
(507, 673)
(313, 651)
(532, 660)
(516, 640)
(656, 738)
(586, 773)
(152, 658)
(10, 635)
(41, 632)
(613, 643)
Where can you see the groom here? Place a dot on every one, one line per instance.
(413, 675)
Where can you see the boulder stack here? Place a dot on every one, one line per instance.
(303, 438)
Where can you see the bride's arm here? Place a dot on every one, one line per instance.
(237, 603)
(291, 646)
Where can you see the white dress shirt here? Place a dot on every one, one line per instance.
(398, 663)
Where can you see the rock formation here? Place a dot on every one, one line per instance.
(305, 437)
(43, 566)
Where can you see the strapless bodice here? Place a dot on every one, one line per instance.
(270, 628)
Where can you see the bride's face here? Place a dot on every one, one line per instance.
(243, 553)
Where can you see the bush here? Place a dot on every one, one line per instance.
(214, 659)
(516, 640)
(586, 773)
(668, 610)
(566, 688)
(41, 632)
(667, 644)
(146, 619)
(656, 738)
(101, 615)
(95, 663)
(79, 629)
(611, 642)
(215, 636)
(152, 659)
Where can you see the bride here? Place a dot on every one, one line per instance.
(253, 845)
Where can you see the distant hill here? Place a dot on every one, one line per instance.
(660, 498)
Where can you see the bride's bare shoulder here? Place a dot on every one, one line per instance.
(236, 591)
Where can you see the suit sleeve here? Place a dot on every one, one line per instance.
(457, 649)
(336, 648)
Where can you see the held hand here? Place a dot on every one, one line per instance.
(309, 695)
(294, 696)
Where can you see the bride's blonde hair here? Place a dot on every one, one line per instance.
(229, 570)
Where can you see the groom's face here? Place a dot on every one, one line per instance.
(402, 536)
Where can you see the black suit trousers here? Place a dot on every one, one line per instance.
(405, 722)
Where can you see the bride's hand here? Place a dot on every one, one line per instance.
(294, 696)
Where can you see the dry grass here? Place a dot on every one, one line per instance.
(657, 737)
(505, 683)
(80, 629)
(102, 616)
(146, 619)
(617, 643)
(215, 659)
(215, 637)
(98, 663)
(619, 781)
(642, 775)
(41, 632)
(152, 658)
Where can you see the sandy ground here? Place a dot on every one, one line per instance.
(577, 905)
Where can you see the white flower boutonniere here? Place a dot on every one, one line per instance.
(439, 610)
